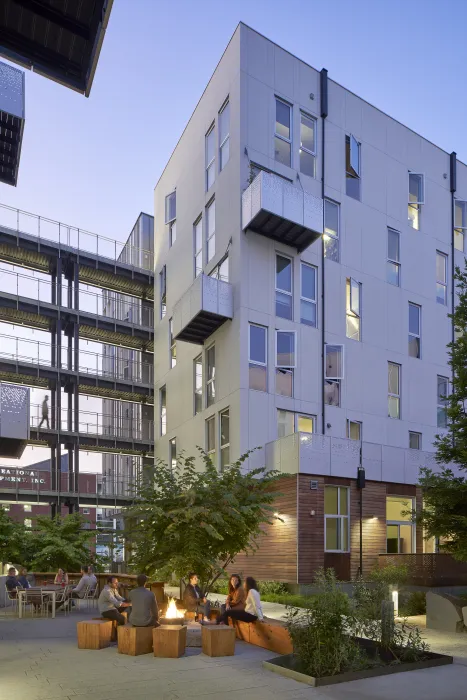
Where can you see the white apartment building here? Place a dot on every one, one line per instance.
(304, 250)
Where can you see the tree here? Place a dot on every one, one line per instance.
(60, 542)
(12, 539)
(444, 512)
(191, 520)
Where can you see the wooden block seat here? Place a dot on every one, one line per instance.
(169, 641)
(218, 640)
(134, 641)
(268, 634)
(114, 625)
(94, 634)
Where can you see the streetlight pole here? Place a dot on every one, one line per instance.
(360, 487)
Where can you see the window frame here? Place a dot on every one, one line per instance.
(328, 236)
(392, 395)
(225, 105)
(441, 404)
(211, 452)
(440, 283)
(172, 346)
(354, 288)
(280, 136)
(391, 261)
(415, 206)
(307, 150)
(460, 230)
(172, 232)
(172, 449)
(339, 517)
(282, 291)
(352, 172)
(163, 292)
(163, 411)
(350, 422)
(421, 199)
(210, 212)
(198, 391)
(210, 381)
(211, 163)
(167, 217)
(294, 334)
(300, 414)
(223, 446)
(399, 523)
(305, 299)
(342, 353)
(415, 335)
(257, 363)
(198, 251)
(419, 437)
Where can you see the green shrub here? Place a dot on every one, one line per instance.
(414, 604)
(390, 575)
(296, 601)
(272, 587)
(221, 586)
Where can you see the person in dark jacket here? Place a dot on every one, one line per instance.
(11, 581)
(194, 599)
(23, 581)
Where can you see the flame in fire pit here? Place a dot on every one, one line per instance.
(172, 612)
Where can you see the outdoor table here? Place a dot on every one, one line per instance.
(51, 590)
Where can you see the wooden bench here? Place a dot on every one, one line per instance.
(94, 634)
(134, 641)
(218, 640)
(269, 634)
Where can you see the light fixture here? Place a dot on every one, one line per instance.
(395, 600)
(326, 237)
(276, 515)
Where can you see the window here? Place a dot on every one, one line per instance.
(333, 373)
(198, 245)
(172, 233)
(285, 423)
(441, 278)
(224, 135)
(210, 376)
(198, 384)
(394, 391)
(211, 438)
(460, 223)
(86, 511)
(27, 509)
(171, 207)
(285, 362)
(331, 230)
(284, 298)
(307, 145)
(416, 198)
(211, 229)
(305, 423)
(173, 453)
(415, 440)
(354, 430)
(353, 303)
(308, 298)
(283, 133)
(394, 261)
(352, 167)
(28, 523)
(442, 401)
(258, 358)
(414, 329)
(163, 410)
(163, 291)
(336, 518)
(221, 271)
(210, 157)
(173, 345)
(224, 420)
(400, 530)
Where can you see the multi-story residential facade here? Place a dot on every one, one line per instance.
(304, 251)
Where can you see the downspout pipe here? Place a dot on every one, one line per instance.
(453, 187)
(324, 114)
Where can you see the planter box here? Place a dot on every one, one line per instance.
(286, 666)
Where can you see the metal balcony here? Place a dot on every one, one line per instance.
(204, 307)
(11, 122)
(281, 211)
(14, 420)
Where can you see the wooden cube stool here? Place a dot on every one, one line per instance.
(218, 640)
(134, 640)
(169, 641)
(114, 625)
(94, 634)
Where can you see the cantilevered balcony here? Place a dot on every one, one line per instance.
(204, 307)
(281, 211)
(11, 122)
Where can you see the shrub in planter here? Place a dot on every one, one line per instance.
(413, 604)
(273, 588)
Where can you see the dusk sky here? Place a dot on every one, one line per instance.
(94, 162)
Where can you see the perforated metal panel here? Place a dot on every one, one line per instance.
(14, 419)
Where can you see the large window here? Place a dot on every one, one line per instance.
(394, 390)
(336, 519)
(210, 157)
(307, 145)
(353, 293)
(354, 430)
(171, 215)
(198, 245)
(415, 440)
(416, 198)
(224, 442)
(224, 135)
(415, 313)
(308, 296)
(400, 530)
(211, 438)
(289, 422)
(163, 291)
(331, 230)
(284, 297)
(173, 345)
(441, 278)
(285, 362)
(258, 357)
(211, 229)
(333, 373)
(163, 410)
(394, 258)
(173, 453)
(283, 133)
(352, 167)
(442, 393)
(460, 223)
(210, 376)
(198, 384)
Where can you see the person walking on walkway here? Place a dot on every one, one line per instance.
(45, 413)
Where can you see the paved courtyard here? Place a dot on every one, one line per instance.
(39, 660)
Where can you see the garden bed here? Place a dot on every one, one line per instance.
(290, 667)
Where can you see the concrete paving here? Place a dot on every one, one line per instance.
(39, 660)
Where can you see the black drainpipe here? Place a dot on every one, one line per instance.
(324, 114)
(453, 185)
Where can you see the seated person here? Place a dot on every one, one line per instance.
(86, 580)
(22, 579)
(144, 611)
(61, 579)
(194, 599)
(111, 604)
(11, 581)
(253, 610)
(236, 598)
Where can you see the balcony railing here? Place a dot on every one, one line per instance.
(204, 307)
(429, 569)
(38, 483)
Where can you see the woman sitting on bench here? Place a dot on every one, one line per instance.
(253, 610)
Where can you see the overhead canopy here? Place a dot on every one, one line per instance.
(60, 39)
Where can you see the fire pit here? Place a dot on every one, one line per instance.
(173, 616)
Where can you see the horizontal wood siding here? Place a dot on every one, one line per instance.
(374, 525)
(310, 527)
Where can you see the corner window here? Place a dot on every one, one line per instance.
(354, 430)
(285, 423)
(415, 313)
(224, 442)
(257, 358)
(307, 145)
(198, 245)
(393, 266)
(308, 296)
(352, 167)
(210, 157)
(415, 440)
(331, 231)
(283, 133)
(416, 198)
(336, 518)
(198, 384)
(224, 135)
(394, 390)
(333, 373)
(210, 376)
(211, 229)
(211, 439)
(173, 345)
(441, 278)
(460, 223)
(442, 401)
(173, 453)
(353, 308)
(163, 291)
(305, 423)
(284, 298)
(171, 207)
(400, 530)
(163, 410)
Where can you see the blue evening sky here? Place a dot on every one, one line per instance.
(94, 162)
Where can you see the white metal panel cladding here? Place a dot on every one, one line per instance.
(11, 90)
(14, 412)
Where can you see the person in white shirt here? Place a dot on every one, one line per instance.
(111, 605)
(253, 610)
(87, 580)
